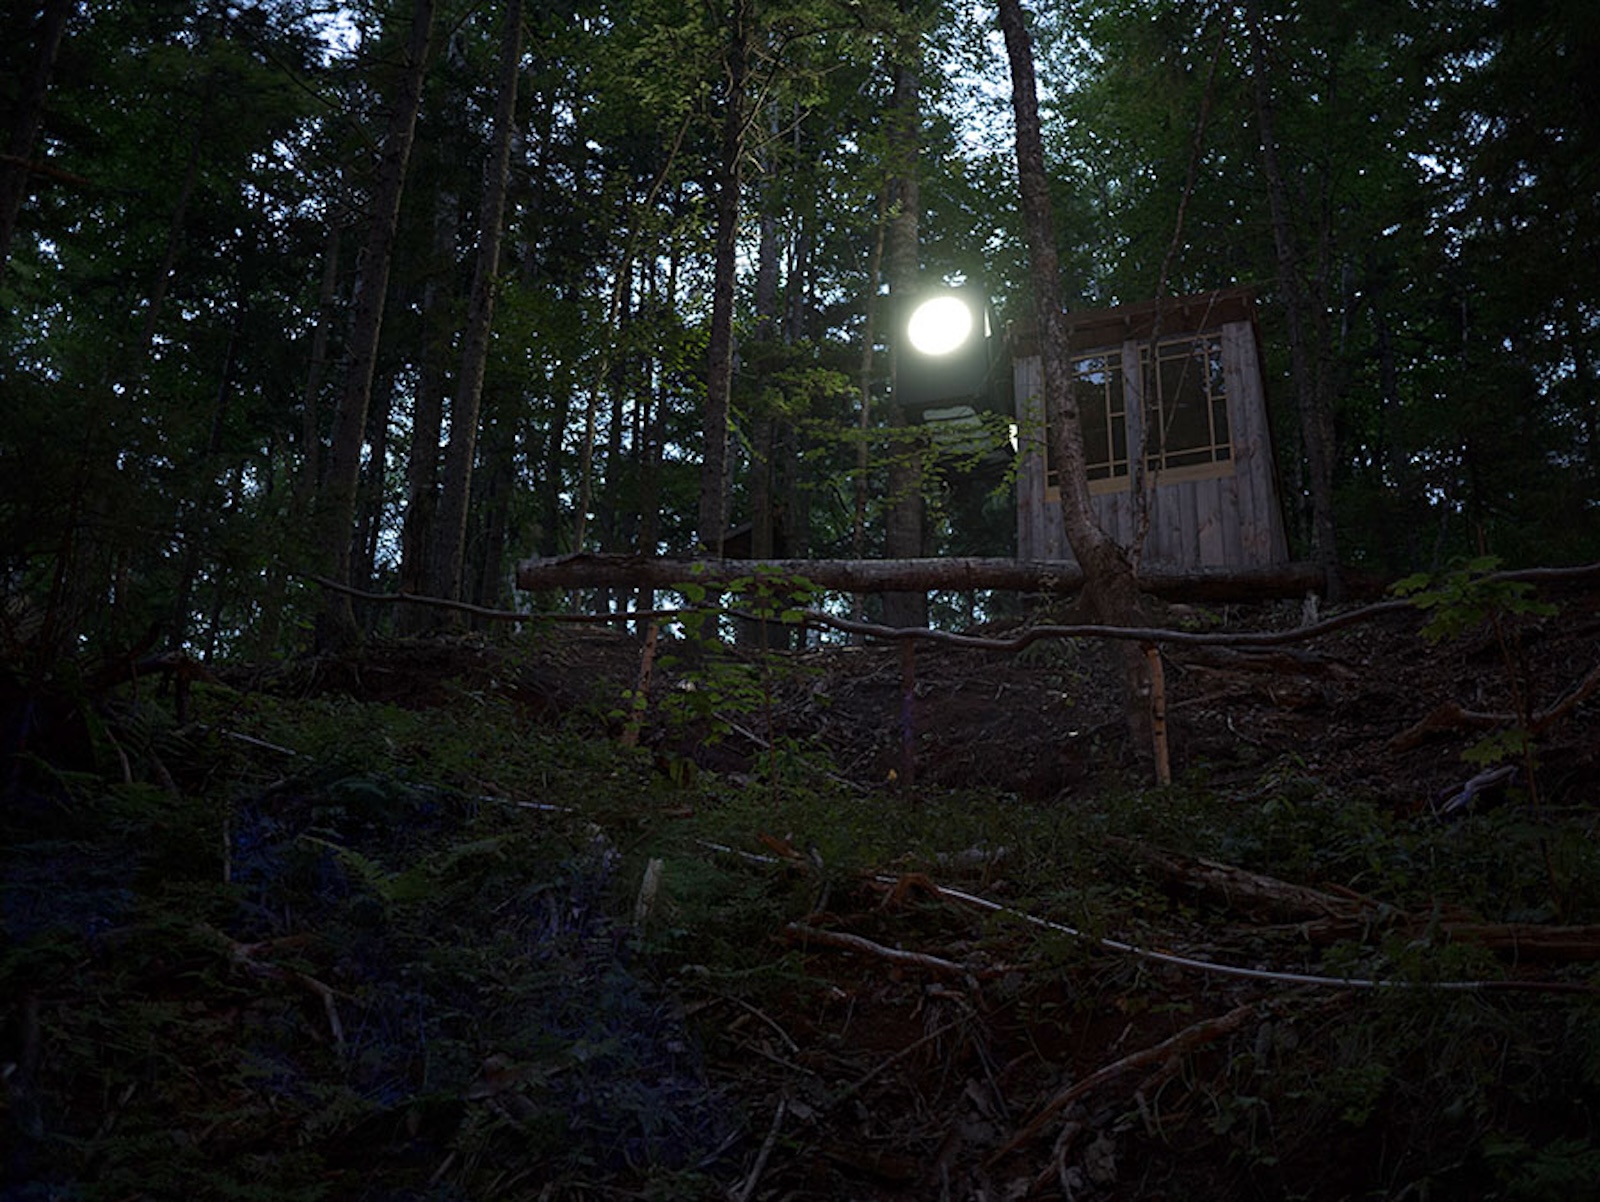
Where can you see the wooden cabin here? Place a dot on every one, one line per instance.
(1179, 388)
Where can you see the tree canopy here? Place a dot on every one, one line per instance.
(680, 322)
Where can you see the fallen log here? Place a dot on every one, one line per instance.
(960, 573)
(1323, 918)
(1519, 942)
(1250, 893)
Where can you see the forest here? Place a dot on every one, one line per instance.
(399, 296)
(343, 854)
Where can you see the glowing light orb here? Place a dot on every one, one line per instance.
(939, 326)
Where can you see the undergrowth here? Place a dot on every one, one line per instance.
(313, 947)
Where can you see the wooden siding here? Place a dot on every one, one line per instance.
(1226, 515)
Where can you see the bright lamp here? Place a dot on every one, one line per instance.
(940, 326)
(943, 347)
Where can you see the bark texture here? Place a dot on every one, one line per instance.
(1110, 587)
(713, 513)
(337, 624)
(1315, 410)
(456, 493)
(903, 512)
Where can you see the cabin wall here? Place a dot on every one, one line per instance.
(1231, 520)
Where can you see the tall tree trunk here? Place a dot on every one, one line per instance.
(764, 424)
(903, 513)
(792, 440)
(458, 458)
(713, 513)
(370, 498)
(28, 119)
(483, 575)
(78, 587)
(663, 299)
(619, 284)
(1110, 589)
(337, 624)
(602, 376)
(563, 386)
(309, 481)
(763, 431)
(192, 526)
(418, 533)
(1316, 413)
(858, 541)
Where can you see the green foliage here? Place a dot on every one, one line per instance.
(324, 967)
(400, 939)
(1561, 1168)
(719, 690)
(1465, 599)
(1469, 595)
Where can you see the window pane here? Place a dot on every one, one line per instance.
(1097, 388)
(1186, 405)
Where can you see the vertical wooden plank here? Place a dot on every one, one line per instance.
(1261, 534)
(1232, 507)
(1215, 515)
(1164, 545)
(1133, 424)
(1227, 521)
(1188, 531)
(1242, 380)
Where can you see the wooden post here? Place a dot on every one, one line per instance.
(908, 714)
(1158, 713)
(641, 695)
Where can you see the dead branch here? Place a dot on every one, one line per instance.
(1191, 963)
(1450, 717)
(1575, 697)
(243, 955)
(1184, 1042)
(1143, 634)
(1459, 798)
(1250, 891)
(805, 935)
(883, 1066)
(47, 170)
(477, 611)
(1326, 918)
(1261, 974)
(747, 1188)
(820, 619)
(959, 573)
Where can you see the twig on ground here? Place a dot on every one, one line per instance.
(1263, 974)
(1186, 1040)
(855, 943)
(244, 956)
(1227, 970)
(882, 1067)
(747, 1188)
(766, 1018)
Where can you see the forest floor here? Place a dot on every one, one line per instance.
(418, 922)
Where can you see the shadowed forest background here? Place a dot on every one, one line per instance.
(636, 290)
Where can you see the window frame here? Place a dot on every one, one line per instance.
(1136, 409)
